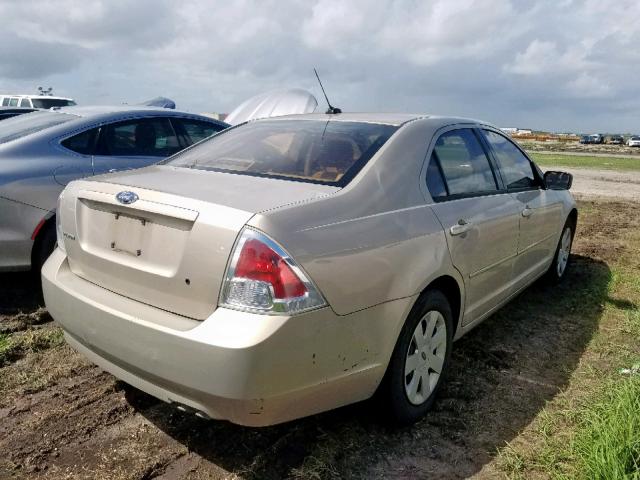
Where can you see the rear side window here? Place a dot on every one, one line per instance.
(197, 130)
(464, 164)
(435, 182)
(516, 169)
(327, 152)
(144, 137)
(82, 143)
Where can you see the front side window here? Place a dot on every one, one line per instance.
(464, 163)
(145, 137)
(515, 168)
(82, 143)
(328, 152)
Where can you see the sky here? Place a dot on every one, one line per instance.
(553, 65)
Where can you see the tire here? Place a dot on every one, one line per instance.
(44, 246)
(558, 268)
(408, 396)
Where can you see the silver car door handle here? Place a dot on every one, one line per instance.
(527, 212)
(461, 227)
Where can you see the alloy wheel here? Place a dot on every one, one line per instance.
(564, 251)
(425, 357)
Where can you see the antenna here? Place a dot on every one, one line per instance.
(331, 110)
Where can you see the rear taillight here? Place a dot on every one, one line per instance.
(263, 278)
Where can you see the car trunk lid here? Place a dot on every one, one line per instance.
(170, 247)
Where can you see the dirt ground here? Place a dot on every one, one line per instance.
(588, 182)
(61, 417)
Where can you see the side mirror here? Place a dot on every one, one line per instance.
(558, 180)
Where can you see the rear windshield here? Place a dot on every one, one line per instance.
(327, 152)
(51, 102)
(29, 123)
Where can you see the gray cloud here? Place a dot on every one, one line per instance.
(31, 59)
(543, 64)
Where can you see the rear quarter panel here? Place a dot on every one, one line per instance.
(375, 241)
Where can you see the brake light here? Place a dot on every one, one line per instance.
(263, 278)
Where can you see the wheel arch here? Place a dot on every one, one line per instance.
(47, 222)
(573, 217)
(451, 289)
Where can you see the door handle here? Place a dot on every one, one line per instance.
(527, 212)
(461, 227)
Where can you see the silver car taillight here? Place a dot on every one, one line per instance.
(59, 234)
(263, 278)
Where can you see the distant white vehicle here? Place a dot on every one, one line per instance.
(634, 141)
(35, 101)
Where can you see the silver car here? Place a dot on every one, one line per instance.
(290, 266)
(41, 152)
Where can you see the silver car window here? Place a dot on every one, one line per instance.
(515, 168)
(82, 143)
(464, 164)
(30, 123)
(142, 137)
(328, 152)
(197, 130)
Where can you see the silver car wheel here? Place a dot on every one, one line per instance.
(425, 357)
(564, 251)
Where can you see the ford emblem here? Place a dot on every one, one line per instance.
(126, 198)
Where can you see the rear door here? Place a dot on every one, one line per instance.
(540, 209)
(134, 143)
(479, 218)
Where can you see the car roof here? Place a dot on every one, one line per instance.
(92, 110)
(396, 119)
(17, 109)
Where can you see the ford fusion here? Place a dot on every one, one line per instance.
(289, 266)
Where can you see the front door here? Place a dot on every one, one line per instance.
(479, 220)
(540, 209)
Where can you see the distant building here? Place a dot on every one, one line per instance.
(515, 131)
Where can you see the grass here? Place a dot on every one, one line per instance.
(607, 442)
(586, 161)
(15, 346)
(591, 429)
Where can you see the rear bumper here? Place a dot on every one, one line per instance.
(249, 369)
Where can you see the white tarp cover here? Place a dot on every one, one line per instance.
(273, 104)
